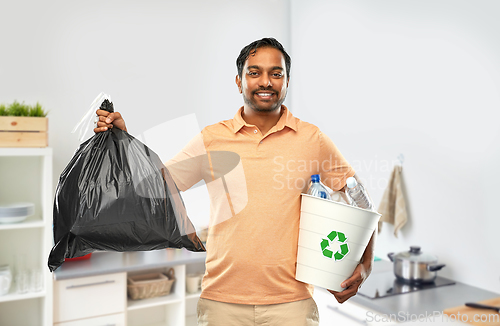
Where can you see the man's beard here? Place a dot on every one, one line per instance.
(254, 106)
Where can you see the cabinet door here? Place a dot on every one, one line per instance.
(109, 320)
(346, 314)
(89, 297)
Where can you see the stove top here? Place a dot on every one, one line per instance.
(380, 285)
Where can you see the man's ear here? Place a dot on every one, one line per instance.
(238, 83)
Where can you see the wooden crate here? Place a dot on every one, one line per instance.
(23, 131)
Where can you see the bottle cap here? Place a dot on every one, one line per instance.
(315, 178)
(351, 182)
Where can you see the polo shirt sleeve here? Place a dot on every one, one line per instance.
(187, 166)
(334, 167)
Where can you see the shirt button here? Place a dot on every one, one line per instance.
(255, 131)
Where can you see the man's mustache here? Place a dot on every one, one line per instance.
(267, 89)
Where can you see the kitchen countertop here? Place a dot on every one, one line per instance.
(116, 262)
(430, 301)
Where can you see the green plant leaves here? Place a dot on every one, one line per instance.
(37, 111)
(22, 110)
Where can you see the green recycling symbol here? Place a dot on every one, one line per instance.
(344, 248)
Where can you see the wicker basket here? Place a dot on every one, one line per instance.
(150, 285)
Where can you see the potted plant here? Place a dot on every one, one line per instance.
(23, 125)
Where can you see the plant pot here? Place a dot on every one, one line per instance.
(23, 131)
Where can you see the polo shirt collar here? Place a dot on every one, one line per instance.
(286, 120)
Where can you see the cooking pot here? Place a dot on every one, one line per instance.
(415, 267)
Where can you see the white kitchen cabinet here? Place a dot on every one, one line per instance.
(191, 305)
(89, 297)
(166, 310)
(109, 320)
(26, 176)
(86, 299)
(192, 298)
(177, 308)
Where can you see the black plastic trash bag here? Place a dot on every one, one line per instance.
(116, 195)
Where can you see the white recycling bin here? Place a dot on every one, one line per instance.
(332, 238)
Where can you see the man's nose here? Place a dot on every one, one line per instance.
(265, 81)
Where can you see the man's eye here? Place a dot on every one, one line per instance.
(252, 73)
(279, 75)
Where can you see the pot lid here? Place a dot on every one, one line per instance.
(415, 255)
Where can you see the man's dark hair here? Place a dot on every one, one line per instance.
(252, 48)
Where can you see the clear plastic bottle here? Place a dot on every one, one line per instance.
(328, 189)
(317, 188)
(358, 194)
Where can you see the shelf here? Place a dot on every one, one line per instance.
(193, 295)
(163, 323)
(27, 151)
(153, 302)
(26, 176)
(12, 296)
(27, 224)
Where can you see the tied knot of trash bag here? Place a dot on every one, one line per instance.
(107, 106)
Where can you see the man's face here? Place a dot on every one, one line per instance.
(264, 82)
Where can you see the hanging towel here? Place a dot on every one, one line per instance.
(393, 203)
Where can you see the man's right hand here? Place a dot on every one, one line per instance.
(108, 120)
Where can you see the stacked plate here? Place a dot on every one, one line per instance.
(15, 213)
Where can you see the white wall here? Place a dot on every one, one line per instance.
(159, 60)
(419, 78)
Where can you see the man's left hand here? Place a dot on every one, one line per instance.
(352, 284)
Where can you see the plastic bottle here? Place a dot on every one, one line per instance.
(328, 189)
(317, 188)
(358, 194)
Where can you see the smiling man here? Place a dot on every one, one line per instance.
(251, 257)
(263, 82)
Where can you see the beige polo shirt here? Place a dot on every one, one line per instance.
(254, 183)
